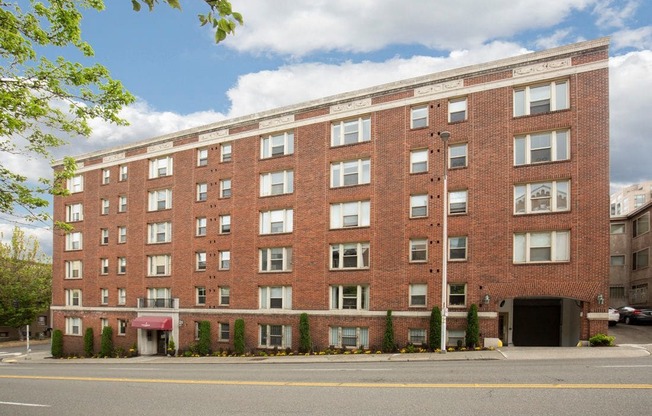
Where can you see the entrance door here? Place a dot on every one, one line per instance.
(161, 348)
(503, 328)
(537, 322)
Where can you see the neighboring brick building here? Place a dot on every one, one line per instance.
(334, 208)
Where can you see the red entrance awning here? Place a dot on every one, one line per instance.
(153, 323)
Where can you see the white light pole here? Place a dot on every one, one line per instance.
(444, 135)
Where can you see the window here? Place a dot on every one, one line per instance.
(124, 172)
(543, 147)
(457, 202)
(122, 203)
(104, 236)
(122, 265)
(159, 265)
(419, 161)
(122, 296)
(350, 131)
(534, 198)
(350, 214)
(641, 225)
(201, 226)
(457, 248)
(275, 336)
(616, 292)
(104, 322)
(104, 266)
(200, 261)
(277, 183)
(73, 269)
(74, 212)
(226, 151)
(225, 296)
(75, 184)
(419, 117)
(457, 295)
(276, 259)
(277, 145)
(105, 206)
(202, 157)
(106, 176)
(225, 224)
(349, 337)
(548, 246)
(202, 191)
(349, 173)
(224, 331)
(160, 167)
(225, 188)
(275, 297)
(122, 234)
(350, 297)
(278, 221)
(639, 200)
(160, 199)
(457, 110)
(457, 155)
(418, 250)
(74, 241)
(417, 336)
(159, 297)
(418, 294)
(159, 232)
(641, 259)
(104, 296)
(542, 98)
(73, 326)
(200, 298)
(618, 228)
(73, 297)
(617, 260)
(122, 327)
(350, 256)
(418, 206)
(225, 260)
(638, 294)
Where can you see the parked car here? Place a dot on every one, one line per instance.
(631, 315)
(614, 316)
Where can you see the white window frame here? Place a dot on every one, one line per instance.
(104, 266)
(418, 246)
(159, 232)
(106, 176)
(224, 328)
(265, 337)
(558, 97)
(73, 297)
(417, 203)
(451, 295)
(342, 132)
(74, 269)
(275, 297)
(200, 261)
(122, 327)
(159, 265)
(122, 203)
(202, 157)
(225, 295)
(417, 336)
(338, 334)
(124, 173)
(201, 226)
(122, 296)
(226, 152)
(104, 296)
(525, 195)
(454, 155)
(269, 264)
(277, 183)
(525, 243)
(458, 202)
(419, 158)
(349, 297)
(457, 109)
(160, 167)
(225, 224)
(358, 168)
(160, 296)
(73, 326)
(74, 241)
(160, 199)
(343, 213)
(276, 145)
(225, 188)
(339, 250)
(105, 206)
(200, 295)
(225, 260)
(202, 192)
(122, 265)
(75, 184)
(454, 244)
(104, 236)
(418, 295)
(271, 219)
(559, 145)
(122, 234)
(75, 212)
(104, 322)
(419, 117)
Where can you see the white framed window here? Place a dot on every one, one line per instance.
(201, 226)
(159, 265)
(546, 246)
(277, 183)
(350, 173)
(124, 173)
(122, 265)
(106, 176)
(354, 297)
(73, 326)
(225, 260)
(534, 198)
(225, 295)
(419, 117)
(457, 248)
(418, 293)
(641, 259)
(160, 167)
(122, 234)
(541, 147)
(200, 261)
(277, 221)
(104, 322)
(122, 327)
(73, 269)
(224, 331)
(541, 98)
(457, 109)
(74, 241)
(202, 157)
(418, 250)
(418, 206)
(225, 188)
(456, 337)
(277, 145)
(226, 152)
(104, 236)
(617, 260)
(225, 224)
(350, 214)
(202, 191)
(417, 336)
(200, 295)
(104, 266)
(122, 296)
(275, 259)
(419, 160)
(73, 297)
(122, 203)
(457, 202)
(75, 184)
(159, 297)
(271, 336)
(160, 199)
(350, 256)
(457, 155)
(74, 212)
(105, 206)
(349, 337)
(457, 295)
(351, 131)
(641, 225)
(159, 232)
(104, 296)
(275, 297)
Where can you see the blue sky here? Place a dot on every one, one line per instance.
(293, 51)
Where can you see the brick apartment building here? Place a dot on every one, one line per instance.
(335, 207)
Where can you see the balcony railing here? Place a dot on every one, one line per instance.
(156, 303)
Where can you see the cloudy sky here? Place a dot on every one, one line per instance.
(287, 50)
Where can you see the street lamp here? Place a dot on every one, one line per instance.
(444, 135)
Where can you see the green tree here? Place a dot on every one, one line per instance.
(25, 281)
(239, 336)
(388, 339)
(106, 346)
(472, 327)
(434, 333)
(305, 342)
(57, 344)
(204, 344)
(89, 348)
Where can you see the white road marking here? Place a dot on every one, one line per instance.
(25, 404)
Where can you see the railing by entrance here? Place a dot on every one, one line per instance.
(156, 303)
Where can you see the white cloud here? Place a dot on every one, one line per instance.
(560, 37)
(615, 13)
(640, 38)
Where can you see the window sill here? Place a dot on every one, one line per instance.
(541, 263)
(349, 269)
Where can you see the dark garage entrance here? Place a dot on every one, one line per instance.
(537, 322)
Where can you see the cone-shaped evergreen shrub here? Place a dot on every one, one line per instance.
(106, 347)
(57, 344)
(204, 343)
(472, 327)
(305, 343)
(434, 335)
(388, 339)
(89, 348)
(239, 336)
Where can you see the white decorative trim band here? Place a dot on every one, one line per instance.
(276, 122)
(437, 88)
(214, 135)
(350, 106)
(113, 158)
(158, 147)
(541, 67)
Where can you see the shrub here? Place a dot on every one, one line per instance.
(106, 347)
(89, 349)
(204, 343)
(57, 344)
(238, 336)
(434, 335)
(388, 340)
(601, 340)
(171, 347)
(472, 327)
(305, 343)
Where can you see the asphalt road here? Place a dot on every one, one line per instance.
(631, 334)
